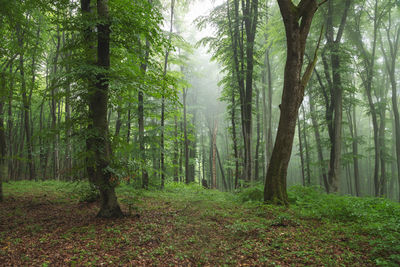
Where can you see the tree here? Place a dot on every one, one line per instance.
(297, 21)
(392, 33)
(335, 84)
(97, 142)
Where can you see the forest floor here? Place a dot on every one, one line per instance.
(45, 224)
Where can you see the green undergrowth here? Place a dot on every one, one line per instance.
(376, 218)
(319, 229)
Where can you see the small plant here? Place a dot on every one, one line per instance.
(87, 192)
(252, 194)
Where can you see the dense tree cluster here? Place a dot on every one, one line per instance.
(119, 90)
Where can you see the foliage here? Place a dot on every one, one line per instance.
(251, 194)
(377, 217)
(86, 192)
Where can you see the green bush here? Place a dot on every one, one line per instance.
(251, 194)
(87, 192)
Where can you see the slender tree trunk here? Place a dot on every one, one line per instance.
(3, 150)
(214, 155)
(382, 147)
(353, 132)
(142, 149)
(257, 154)
(314, 121)
(176, 152)
(234, 140)
(336, 89)
(221, 167)
(68, 146)
(163, 101)
(307, 159)
(390, 61)
(192, 150)
(26, 105)
(54, 90)
(301, 152)
(185, 137)
(10, 126)
(128, 124)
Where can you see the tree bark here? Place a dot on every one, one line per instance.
(163, 100)
(3, 150)
(25, 102)
(214, 155)
(390, 62)
(301, 152)
(98, 143)
(317, 135)
(56, 161)
(307, 159)
(297, 20)
(336, 90)
(353, 132)
(257, 154)
(221, 168)
(142, 149)
(185, 137)
(243, 62)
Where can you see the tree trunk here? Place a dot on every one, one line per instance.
(26, 104)
(307, 159)
(382, 147)
(10, 129)
(3, 150)
(354, 137)
(297, 20)
(142, 148)
(128, 124)
(214, 155)
(176, 151)
(185, 137)
(314, 121)
(98, 143)
(301, 152)
(390, 62)
(56, 161)
(163, 99)
(336, 91)
(221, 168)
(257, 156)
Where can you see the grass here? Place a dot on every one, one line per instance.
(45, 224)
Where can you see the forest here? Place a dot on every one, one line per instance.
(199, 133)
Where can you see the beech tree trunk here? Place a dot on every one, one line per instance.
(26, 103)
(142, 149)
(353, 132)
(185, 137)
(214, 155)
(317, 135)
(297, 20)
(301, 152)
(221, 168)
(98, 143)
(3, 151)
(333, 75)
(163, 100)
(308, 159)
(257, 154)
(56, 161)
(393, 38)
